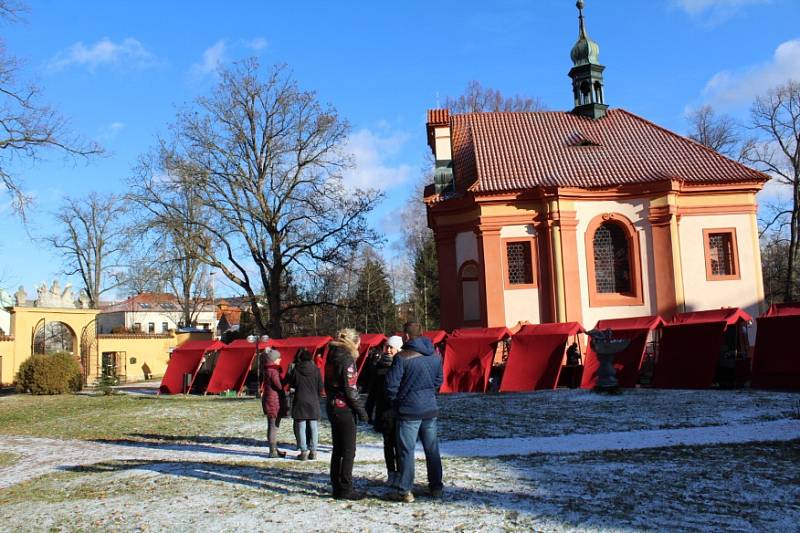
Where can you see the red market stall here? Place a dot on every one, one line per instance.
(692, 345)
(185, 359)
(468, 359)
(436, 336)
(289, 347)
(537, 351)
(368, 342)
(629, 361)
(233, 365)
(776, 359)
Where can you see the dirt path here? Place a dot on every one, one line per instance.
(39, 456)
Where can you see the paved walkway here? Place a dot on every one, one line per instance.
(39, 456)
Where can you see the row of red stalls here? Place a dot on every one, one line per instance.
(212, 367)
(696, 350)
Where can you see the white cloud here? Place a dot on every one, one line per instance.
(730, 88)
(105, 52)
(697, 7)
(111, 131)
(374, 157)
(257, 44)
(213, 57)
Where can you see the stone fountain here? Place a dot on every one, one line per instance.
(606, 347)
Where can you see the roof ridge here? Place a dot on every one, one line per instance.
(686, 139)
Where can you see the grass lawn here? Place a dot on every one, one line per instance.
(8, 458)
(749, 487)
(463, 416)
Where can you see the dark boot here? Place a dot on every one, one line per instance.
(275, 453)
(303, 456)
(312, 455)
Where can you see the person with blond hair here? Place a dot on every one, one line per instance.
(343, 406)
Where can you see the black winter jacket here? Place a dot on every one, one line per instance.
(383, 417)
(341, 378)
(306, 381)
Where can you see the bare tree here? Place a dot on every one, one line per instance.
(265, 160)
(27, 127)
(172, 235)
(91, 240)
(718, 132)
(479, 99)
(776, 119)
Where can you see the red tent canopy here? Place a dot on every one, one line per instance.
(185, 359)
(784, 309)
(640, 322)
(627, 362)
(289, 346)
(436, 336)
(468, 363)
(534, 361)
(776, 358)
(553, 328)
(728, 315)
(688, 355)
(496, 334)
(368, 342)
(232, 366)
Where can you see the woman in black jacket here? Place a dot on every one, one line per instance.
(383, 419)
(343, 405)
(306, 381)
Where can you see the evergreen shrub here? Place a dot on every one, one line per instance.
(55, 373)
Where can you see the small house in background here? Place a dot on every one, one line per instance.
(152, 313)
(586, 215)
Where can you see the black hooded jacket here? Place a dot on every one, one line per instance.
(341, 379)
(306, 381)
(383, 417)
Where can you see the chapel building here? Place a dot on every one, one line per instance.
(589, 214)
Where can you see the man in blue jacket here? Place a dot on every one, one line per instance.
(411, 386)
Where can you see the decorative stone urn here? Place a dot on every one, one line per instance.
(606, 347)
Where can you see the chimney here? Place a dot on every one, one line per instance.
(438, 126)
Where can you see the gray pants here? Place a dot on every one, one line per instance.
(306, 432)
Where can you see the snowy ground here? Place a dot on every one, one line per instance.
(550, 461)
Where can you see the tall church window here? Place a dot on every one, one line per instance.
(469, 281)
(613, 262)
(519, 263)
(722, 259)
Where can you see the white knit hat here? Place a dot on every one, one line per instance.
(395, 342)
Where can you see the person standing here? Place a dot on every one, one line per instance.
(380, 408)
(343, 405)
(273, 401)
(306, 381)
(411, 385)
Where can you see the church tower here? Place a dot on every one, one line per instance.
(587, 74)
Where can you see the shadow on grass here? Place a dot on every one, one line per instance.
(198, 444)
(278, 480)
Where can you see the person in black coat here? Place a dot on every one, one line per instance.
(343, 405)
(306, 381)
(383, 415)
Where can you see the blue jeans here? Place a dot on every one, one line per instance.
(407, 433)
(306, 432)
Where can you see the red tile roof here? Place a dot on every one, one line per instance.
(495, 152)
(438, 117)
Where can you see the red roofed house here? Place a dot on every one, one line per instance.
(585, 215)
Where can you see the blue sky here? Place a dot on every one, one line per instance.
(118, 70)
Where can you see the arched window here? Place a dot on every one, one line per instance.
(598, 92)
(53, 337)
(469, 281)
(586, 93)
(612, 259)
(613, 262)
